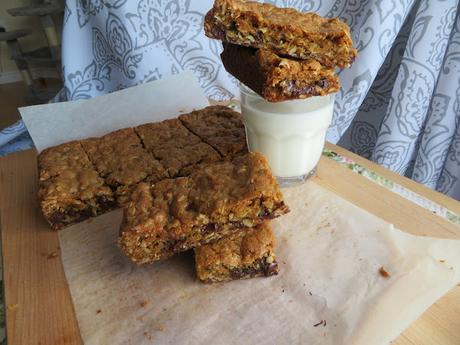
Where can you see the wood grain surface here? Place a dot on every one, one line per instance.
(38, 304)
(39, 309)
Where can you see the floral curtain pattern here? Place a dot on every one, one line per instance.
(399, 102)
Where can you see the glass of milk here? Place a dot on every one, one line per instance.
(291, 134)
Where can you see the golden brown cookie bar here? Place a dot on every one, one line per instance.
(73, 196)
(70, 189)
(284, 31)
(68, 156)
(245, 254)
(220, 127)
(175, 215)
(276, 78)
(121, 160)
(177, 149)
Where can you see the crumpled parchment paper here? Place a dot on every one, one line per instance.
(329, 289)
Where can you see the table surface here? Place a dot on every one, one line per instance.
(38, 303)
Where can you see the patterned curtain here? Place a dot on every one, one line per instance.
(410, 119)
(399, 102)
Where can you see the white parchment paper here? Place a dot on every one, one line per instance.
(329, 252)
(53, 124)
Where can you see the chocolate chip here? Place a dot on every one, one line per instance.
(173, 246)
(323, 83)
(299, 90)
(71, 216)
(337, 40)
(258, 267)
(217, 32)
(271, 269)
(238, 224)
(105, 204)
(207, 228)
(264, 213)
(318, 324)
(304, 90)
(190, 208)
(236, 273)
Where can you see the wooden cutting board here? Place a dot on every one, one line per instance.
(38, 303)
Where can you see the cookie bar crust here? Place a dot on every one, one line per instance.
(246, 254)
(73, 196)
(276, 78)
(179, 214)
(285, 31)
(121, 160)
(57, 159)
(175, 147)
(220, 127)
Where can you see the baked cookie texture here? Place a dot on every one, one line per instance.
(175, 215)
(245, 254)
(70, 189)
(85, 178)
(68, 156)
(285, 31)
(175, 147)
(276, 78)
(220, 127)
(121, 160)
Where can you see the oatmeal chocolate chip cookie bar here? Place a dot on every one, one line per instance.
(285, 31)
(70, 189)
(122, 161)
(177, 149)
(245, 254)
(276, 78)
(73, 196)
(220, 127)
(175, 215)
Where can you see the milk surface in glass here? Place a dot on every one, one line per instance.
(291, 134)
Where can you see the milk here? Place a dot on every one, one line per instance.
(291, 134)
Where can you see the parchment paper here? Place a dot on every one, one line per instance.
(53, 124)
(329, 252)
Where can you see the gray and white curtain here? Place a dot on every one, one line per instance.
(399, 102)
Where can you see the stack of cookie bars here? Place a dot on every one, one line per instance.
(185, 183)
(280, 53)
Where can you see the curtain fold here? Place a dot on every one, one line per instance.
(408, 114)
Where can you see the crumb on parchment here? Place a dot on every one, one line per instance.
(384, 273)
(144, 303)
(321, 323)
